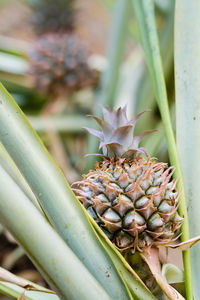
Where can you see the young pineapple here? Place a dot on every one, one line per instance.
(59, 64)
(131, 197)
(54, 15)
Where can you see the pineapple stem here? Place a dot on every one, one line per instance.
(144, 12)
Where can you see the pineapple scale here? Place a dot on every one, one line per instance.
(134, 201)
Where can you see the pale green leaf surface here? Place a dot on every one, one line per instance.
(187, 75)
(55, 195)
(15, 291)
(8, 164)
(14, 46)
(13, 283)
(13, 64)
(58, 264)
(172, 273)
(5, 275)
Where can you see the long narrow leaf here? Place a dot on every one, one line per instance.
(55, 195)
(144, 12)
(8, 164)
(146, 95)
(13, 64)
(55, 260)
(14, 46)
(15, 286)
(15, 291)
(187, 75)
(10, 167)
(145, 92)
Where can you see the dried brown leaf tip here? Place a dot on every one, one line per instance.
(22, 297)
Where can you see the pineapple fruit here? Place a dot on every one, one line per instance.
(130, 195)
(59, 61)
(59, 64)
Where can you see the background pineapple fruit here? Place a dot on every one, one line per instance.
(131, 197)
(59, 64)
(54, 15)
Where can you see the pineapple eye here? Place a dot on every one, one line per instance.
(131, 218)
(123, 240)
(155, 222)
(164, 207)
(142, 202)
(152, 190)
(102, 198)
(111, 216)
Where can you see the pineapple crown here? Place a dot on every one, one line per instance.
(116, 137)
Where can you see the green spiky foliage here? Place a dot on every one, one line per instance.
(59, 64)
(131, 196)
(54, 16)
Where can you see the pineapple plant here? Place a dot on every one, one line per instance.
(59, 204)
(59, 60)
(59, 65)
(130, 195)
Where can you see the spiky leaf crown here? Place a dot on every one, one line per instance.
(116, 137)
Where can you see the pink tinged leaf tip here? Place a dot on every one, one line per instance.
(116, 138)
